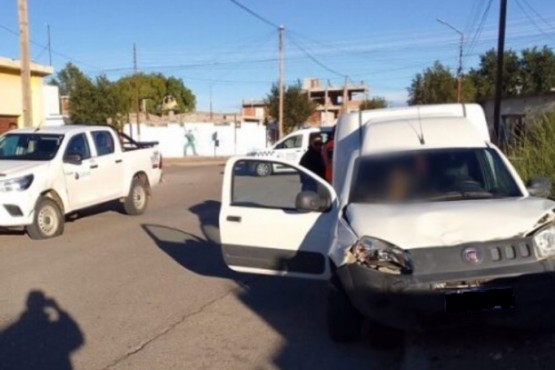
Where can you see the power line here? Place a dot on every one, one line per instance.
(533, 21)
(76, 61)
(254, 14)
(479, 29)
(313, 58)
(539, 15)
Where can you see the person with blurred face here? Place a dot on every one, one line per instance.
(312, 159)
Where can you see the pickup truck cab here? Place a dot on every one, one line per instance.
(47, 173)
(426, 224)
(290, 149)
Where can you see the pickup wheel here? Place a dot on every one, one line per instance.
(137, 200)
(48, 221)
(344, 320)
(263, 169)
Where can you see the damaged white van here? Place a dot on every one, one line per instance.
(426, 223)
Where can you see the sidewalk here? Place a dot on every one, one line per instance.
(195, 161)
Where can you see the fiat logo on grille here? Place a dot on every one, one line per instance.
(472, 255)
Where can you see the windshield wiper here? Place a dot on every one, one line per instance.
(454, 195)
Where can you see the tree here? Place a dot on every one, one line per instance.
(100, 100)
(68, 78)
(537, 70)
(484, 76)
(376, 102)
(435, 85)
(154, 88)
(297, 107)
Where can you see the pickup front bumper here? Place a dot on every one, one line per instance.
(16, 209)
(519, 290)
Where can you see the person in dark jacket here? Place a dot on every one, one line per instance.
(312, 160)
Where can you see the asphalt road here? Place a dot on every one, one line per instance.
(152, 292)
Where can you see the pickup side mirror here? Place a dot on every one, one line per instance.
(539, 186)
(309, 201)
(74, 159)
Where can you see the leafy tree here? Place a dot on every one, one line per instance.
(297, 107)
(154, 88)
(537, 70)
(101, 100)
(484, 76)
(433, 86)
(68, 78)
(376, 102)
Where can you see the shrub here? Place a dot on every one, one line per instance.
(533, 154)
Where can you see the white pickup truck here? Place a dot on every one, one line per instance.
(426, 224)
(290, 149)
(47, 173)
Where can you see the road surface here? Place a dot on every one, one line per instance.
(152, 292)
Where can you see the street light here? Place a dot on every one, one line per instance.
(459, 70)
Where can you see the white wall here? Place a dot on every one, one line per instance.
(231, 141)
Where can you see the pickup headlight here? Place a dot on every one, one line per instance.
(17, 184)
(382, 256)
(544, 241)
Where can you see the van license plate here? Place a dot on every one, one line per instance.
(479, 300)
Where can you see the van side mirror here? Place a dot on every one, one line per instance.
(74, 159)
(309, 201)
(539, 186)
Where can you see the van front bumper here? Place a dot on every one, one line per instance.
(16, 209)
(524, 295)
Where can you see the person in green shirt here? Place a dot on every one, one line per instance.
(190, 143)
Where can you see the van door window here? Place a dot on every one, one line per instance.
(78, 145)
(294, 142)
(277, 190)
(104, 142)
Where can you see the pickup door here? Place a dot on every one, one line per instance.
(108, 166)
(79, 178)
(261, 229)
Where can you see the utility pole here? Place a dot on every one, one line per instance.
(499, 77)
(49, 45)
(25, 63)
(326, 102)
(460, 67)
(281, 30)
(136, 83)
(211, 111)
(345, 107)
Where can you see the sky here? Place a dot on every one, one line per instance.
(220, 50)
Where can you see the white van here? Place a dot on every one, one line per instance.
(426, 221)
(290, 149)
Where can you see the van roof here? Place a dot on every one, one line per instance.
(414, 134)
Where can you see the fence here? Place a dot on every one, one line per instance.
(203, 139)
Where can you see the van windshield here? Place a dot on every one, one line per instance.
(29, 147)
(433, 175)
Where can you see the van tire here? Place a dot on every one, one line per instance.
(343, 319)
(263, 169)
(136, 201)
(48, 220)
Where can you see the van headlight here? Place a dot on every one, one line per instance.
(544, 241)
(382, 256)
(17, 184)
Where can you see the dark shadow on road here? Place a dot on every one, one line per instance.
(295, 308)
(43, 337)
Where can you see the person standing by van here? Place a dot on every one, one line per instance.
(327, 155)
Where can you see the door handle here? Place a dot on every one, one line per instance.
(234, 218)
(94, 166)
(119, 160)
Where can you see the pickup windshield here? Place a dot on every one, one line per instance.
(29, 146)
(433, 175)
